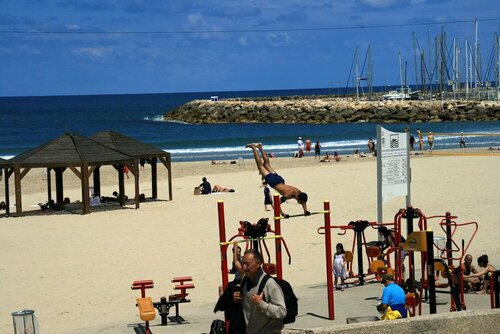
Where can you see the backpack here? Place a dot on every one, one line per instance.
(217, 327)
(291, 301)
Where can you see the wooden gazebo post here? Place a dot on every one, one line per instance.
(121, 185)
(49, 185)
(85, 188)
(135, 172)
(97, 181)
(17, 187)
(154, 178)
(7, 172)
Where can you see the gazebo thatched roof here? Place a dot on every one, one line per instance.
(70, 150)
(138, 150)
(4, 163)
(128, 145)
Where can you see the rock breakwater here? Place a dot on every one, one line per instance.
(331, 110)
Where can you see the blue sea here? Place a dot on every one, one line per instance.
(27, 122)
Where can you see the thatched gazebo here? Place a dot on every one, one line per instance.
(81, 155)
(140, 151)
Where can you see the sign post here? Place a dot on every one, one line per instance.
(393, 167)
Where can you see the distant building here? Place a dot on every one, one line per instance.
(214, 98)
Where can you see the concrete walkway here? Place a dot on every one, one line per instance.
(356, 301)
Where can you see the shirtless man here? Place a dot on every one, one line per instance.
(276, 181)
(470, 282)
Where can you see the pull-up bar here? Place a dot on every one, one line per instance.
(225, 243)
(302, 214)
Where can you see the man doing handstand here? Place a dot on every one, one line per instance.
(276, 181)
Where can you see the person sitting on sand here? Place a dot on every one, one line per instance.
(326, 158)
(483, 262)
(275, 181)
(336, 156)
(205, 187)
(220, 189)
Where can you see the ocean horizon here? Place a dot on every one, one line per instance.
(28, 122)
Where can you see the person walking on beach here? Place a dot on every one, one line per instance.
(274, 180)
(412, 142)
(462, 140)
(308, 146)
(420, 140)
(267, 196)
(339, 266)
(430, 140)
(371, 146)
(317, 150)
(300, 143)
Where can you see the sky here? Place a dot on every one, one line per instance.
(81, 47)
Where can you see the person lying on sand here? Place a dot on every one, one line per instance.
(220, 189)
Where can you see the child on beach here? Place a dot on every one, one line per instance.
(267, 196)
(339, 266)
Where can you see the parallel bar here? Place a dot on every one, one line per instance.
(225, 243)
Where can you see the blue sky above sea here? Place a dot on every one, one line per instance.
(77, 47)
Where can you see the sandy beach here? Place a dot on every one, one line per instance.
(75, 270)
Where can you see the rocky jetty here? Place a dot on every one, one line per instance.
(331, 110)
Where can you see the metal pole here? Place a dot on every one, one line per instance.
(379, 175)
(448, 240)
(277, 231)
(329, 263)
(430, 271)
(223, 247)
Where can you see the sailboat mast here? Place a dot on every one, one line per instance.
(400, 72)
(475, 54)
(415, 61)
(466, 69)
(370, 71)
(497, 50)
(357, 76)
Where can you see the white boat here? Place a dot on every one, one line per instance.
(405, 94)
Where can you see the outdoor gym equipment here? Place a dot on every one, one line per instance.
(256, 235)
(359, 240)
(147, 306)
(453, 272)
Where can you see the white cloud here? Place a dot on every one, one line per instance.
(92, 53)
(278, 39)
(243, 41)
(379, 3)
(72, 26)
(194, 19)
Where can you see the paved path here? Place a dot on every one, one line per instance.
(356, 301)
